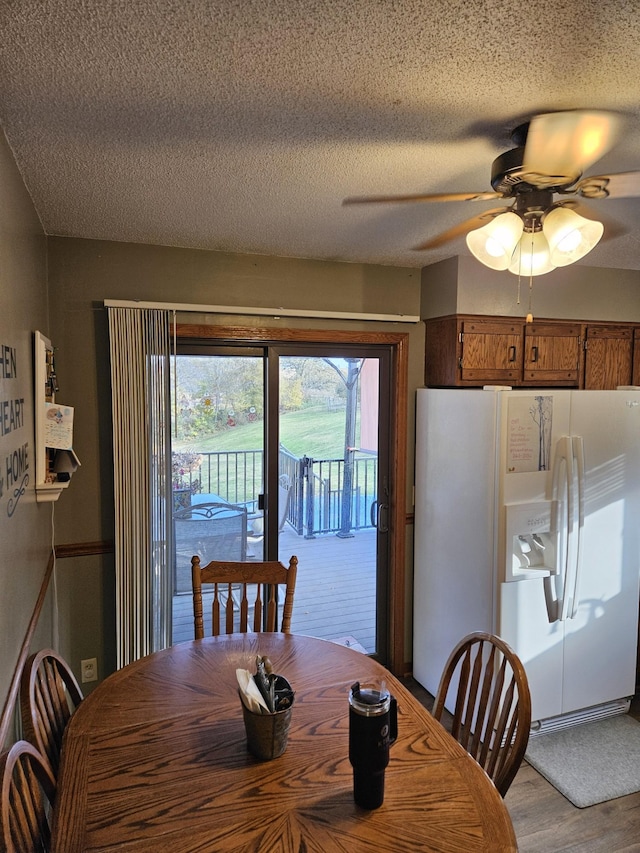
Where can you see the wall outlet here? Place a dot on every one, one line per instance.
(89, 670)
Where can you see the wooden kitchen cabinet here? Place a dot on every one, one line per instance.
(491, 351)
(552, 354)
(466, 350)
(635, 375)
(442, 352)
(473, 351)
(609, 356)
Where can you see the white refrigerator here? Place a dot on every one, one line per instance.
(527, 524)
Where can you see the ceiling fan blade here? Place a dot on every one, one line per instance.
(621, 185)
(561, 146)
(460, 229)
(375, 199)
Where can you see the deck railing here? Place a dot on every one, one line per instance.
(317, 487)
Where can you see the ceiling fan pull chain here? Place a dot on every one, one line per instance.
(530, 314)
(519, 249)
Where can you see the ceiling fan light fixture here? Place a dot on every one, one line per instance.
(570, 236)
(531, 256)
(493, 244)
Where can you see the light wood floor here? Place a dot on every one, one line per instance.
(546, 822)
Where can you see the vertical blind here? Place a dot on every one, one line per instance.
(140, 391)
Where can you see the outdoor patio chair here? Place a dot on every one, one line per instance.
(214, 530)
(49, 694)
(492, 714)
(28, 792)
(255, 533)
(264, 576)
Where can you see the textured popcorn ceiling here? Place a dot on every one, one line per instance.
(241, 126)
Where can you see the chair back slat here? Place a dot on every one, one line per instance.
(241, 584)
(49, 694)
(504, 732)
(28, 821)
(28, 794)
(493, 702)
(272, 611)
(492, 707)
(229, 611)
(257, 609)
(215, 614)
(244, 610)
(56, 690)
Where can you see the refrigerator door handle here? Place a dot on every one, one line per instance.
(578, 455)
(562, 465)
(564, 498)
(575, 522)
(550, 599)
(569, 567)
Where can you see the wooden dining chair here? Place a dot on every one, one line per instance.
(264, 576)
(492, 711)
(49, 694)
(28, 793)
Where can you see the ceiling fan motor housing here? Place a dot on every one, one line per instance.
(510, 177)
(507, 173)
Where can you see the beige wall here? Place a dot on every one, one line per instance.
(578, 292)
(82, 273)
(25, 527)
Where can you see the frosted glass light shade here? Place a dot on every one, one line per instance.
(570, 236)
(531, 255)
(493, 244)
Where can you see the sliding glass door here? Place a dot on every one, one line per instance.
(290, 444)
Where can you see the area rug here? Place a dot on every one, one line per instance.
(592, 762)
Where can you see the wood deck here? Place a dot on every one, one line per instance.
(335, 594)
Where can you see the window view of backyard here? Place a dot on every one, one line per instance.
(327, 471)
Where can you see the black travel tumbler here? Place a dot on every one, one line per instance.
(373, 727)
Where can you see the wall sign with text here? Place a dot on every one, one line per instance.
(15, 452)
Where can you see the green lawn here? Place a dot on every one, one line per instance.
(312, 432)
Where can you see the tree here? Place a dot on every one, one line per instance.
(210, 389)
(354, 366)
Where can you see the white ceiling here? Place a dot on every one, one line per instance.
(241, 126)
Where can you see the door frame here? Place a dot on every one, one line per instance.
(398, 342)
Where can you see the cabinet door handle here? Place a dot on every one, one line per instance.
(512, 353)
(534, 353)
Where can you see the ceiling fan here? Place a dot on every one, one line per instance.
(535, 233)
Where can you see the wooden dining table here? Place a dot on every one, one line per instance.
(155, 759)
